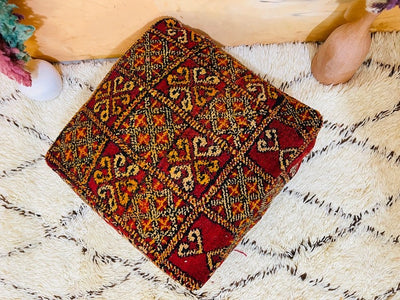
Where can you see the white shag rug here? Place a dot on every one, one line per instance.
(332, 233)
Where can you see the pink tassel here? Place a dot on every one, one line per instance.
(14, 69)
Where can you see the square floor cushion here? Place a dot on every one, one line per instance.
(181, 149)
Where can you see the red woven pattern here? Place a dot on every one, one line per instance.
(181, 149)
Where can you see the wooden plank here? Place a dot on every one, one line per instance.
(74, 29)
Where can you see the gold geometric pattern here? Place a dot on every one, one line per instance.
(230, 117)
(79, 146)
(185, 249)
(181, 149)
(150, 129)
(242, 195)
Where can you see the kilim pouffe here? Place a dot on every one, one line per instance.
(181, 149)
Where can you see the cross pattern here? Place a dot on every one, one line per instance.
(231, 118)
(149, 130)
(82, 144)
(150, 55)
(240, 197)
(156, 213)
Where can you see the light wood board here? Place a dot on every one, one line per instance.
(74, 29)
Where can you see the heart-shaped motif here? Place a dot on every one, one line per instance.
(183, 38)
(200, 76)
(203, 168)
(181, 77)
(103, 174)
(175, 155)
(117, 109)
(259, 89)
(171, 32)
(121, 169)
(269, 143)
(204, 94)
(107, 192)
(286, 157)
(128, 85)
(214, 258)
(104, 108)
(195, 37)
(170, 22)
(104, 92)
(194, 236)
(201, 142)
(187, 182)
(183, 93)
(125, 189)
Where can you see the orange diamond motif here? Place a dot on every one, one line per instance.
(237, 106)
(146, 225)
(161, 203)
(255, 205)
(140, 120)
(164, 223)
(81, 133)
(68, 155)
(234, 190)
(220, 107)
(143, 139)
(156, 47)
(159, 120)
(82, 151)
(157, 59)
(305, 116)
(143, 205)
(162, 138)
(68, 137)
(251, 187)
(241, 121)
(237, 208)
(223, 124)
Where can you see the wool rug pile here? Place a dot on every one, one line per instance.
(332, 233)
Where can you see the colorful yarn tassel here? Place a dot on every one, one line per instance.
(13, 34)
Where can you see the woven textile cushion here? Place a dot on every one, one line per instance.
(181, 149)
